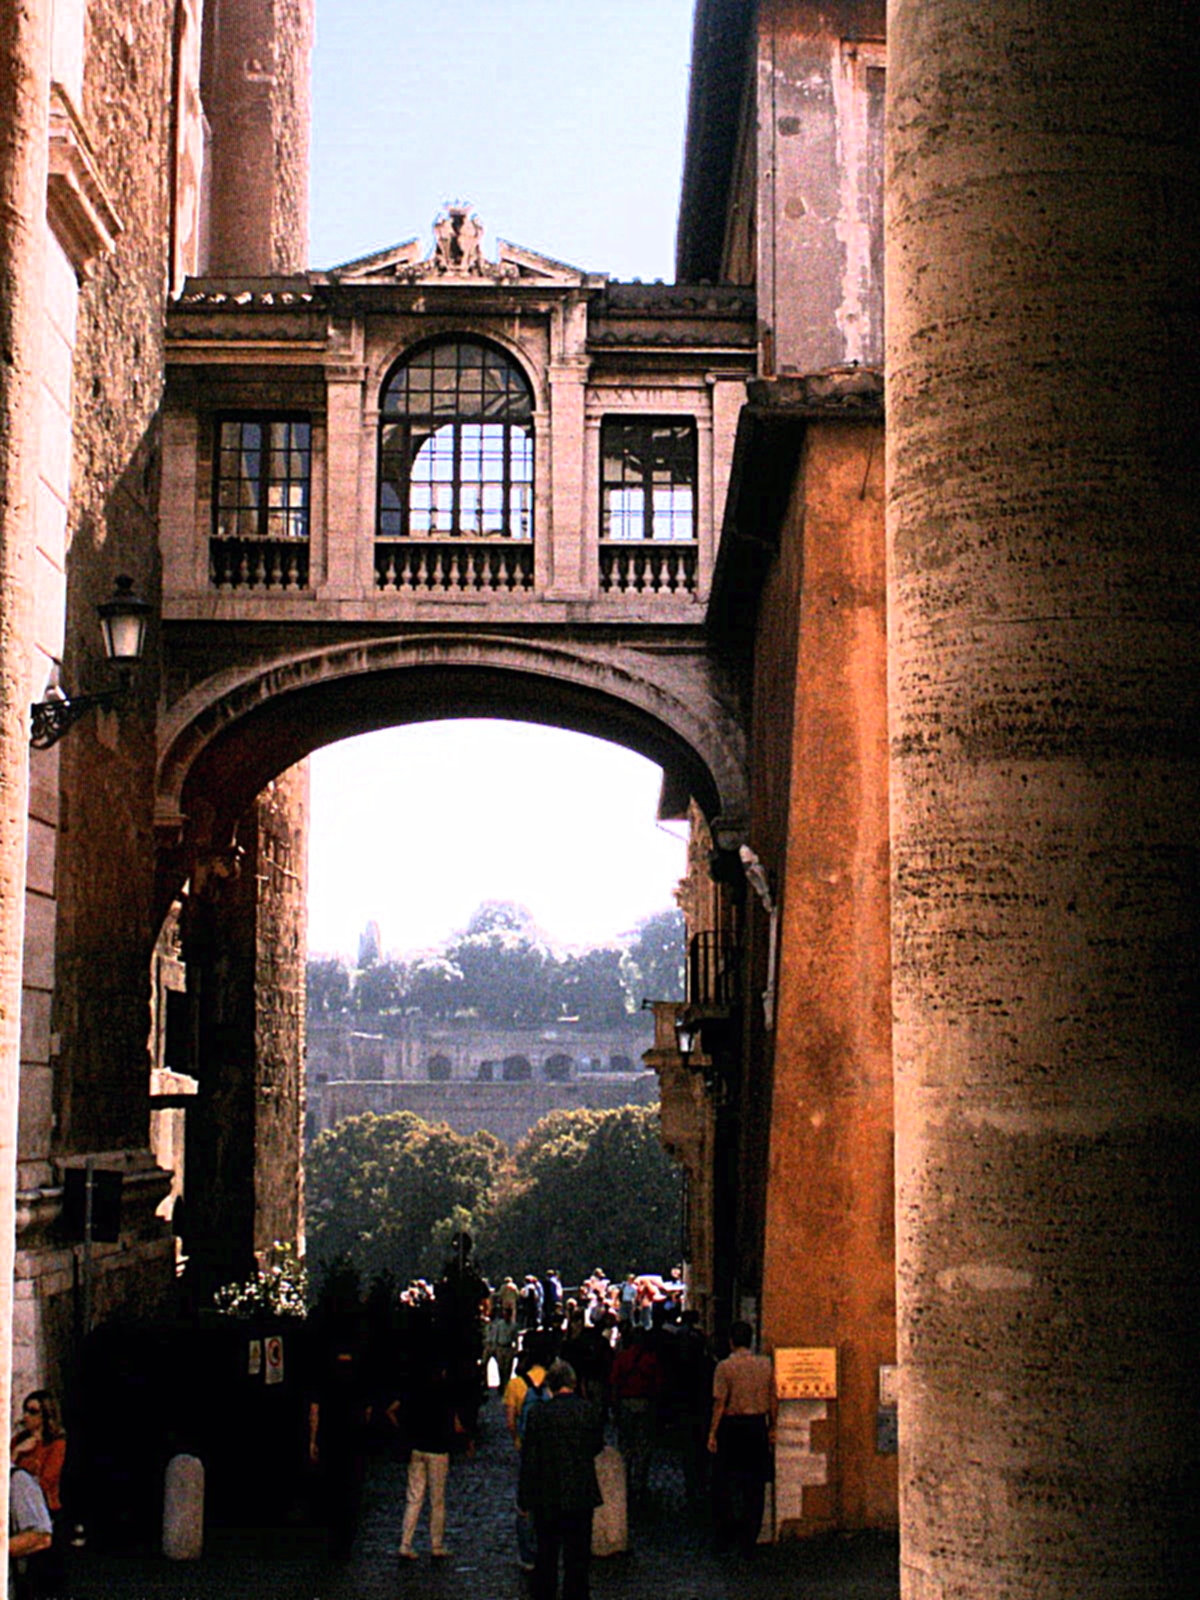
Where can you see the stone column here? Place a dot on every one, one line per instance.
(256, 97)
(244, 945)
(1042, 251)
(24, 132)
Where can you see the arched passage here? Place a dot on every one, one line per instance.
(227, 749)
(225, 739)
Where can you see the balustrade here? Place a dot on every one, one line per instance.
(253, 563)
(450, 566)
(447, 566)
(648, 567)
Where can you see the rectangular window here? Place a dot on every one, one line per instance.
(648, 478)
(264, 476)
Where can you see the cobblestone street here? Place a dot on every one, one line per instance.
(669, 1558)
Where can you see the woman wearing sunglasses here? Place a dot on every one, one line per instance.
(39, 1446)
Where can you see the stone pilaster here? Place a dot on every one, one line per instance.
(1043, 668)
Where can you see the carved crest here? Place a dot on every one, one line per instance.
(458, 257)
(458, 242)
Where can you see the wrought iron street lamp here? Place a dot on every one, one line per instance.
(123, 619)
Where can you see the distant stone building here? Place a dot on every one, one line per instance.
(474, 1076)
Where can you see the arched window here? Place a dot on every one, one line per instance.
(456, 445)
(516, 1069)
(438, 1069)
(558, 1068)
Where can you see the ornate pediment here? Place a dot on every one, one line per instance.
(457, 257)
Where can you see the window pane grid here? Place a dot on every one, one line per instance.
(263, 478)
(456, 446)
(648, 480)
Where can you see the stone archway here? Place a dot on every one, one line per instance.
(234, 730)
(228, 747)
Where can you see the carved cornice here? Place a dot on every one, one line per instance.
(78, 208)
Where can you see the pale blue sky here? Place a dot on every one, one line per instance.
(562, 123)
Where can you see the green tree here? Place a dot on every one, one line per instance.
(655, 963)
(507, 970)
(435, 987)
(380, 987)
(589, 986)
(586, 1188)
(327, 981)
(380, 1190)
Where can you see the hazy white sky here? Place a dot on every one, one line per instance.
(562, 123)
(420, 824)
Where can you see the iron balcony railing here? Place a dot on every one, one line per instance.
(713, 971)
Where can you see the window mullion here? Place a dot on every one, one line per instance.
(456, 480)
(264, 480)
(406, 479)
(506, 485)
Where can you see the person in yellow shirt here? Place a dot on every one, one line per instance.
(535, 1359)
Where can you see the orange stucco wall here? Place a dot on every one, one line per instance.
(828, 1244)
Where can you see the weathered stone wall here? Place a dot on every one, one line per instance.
(24, 91)
(772, 717)
(105, 868)
(508, 1110)
(220, 951)
(1043, 549)
(92, 924)
(281, 949)
(819, 189)
(89, 932)
(463, 1046)
(244, 948)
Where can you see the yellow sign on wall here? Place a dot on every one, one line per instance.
(806, 1373)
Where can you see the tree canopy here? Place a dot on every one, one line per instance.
(380, 1190)
(585, 1189)
(502, 970)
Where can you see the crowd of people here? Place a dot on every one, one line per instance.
(624, 1358)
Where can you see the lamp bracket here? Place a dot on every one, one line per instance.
(51, 718)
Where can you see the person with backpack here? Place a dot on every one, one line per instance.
(524, 1387)
(558, 1486)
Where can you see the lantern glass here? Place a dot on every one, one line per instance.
(123, 624)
